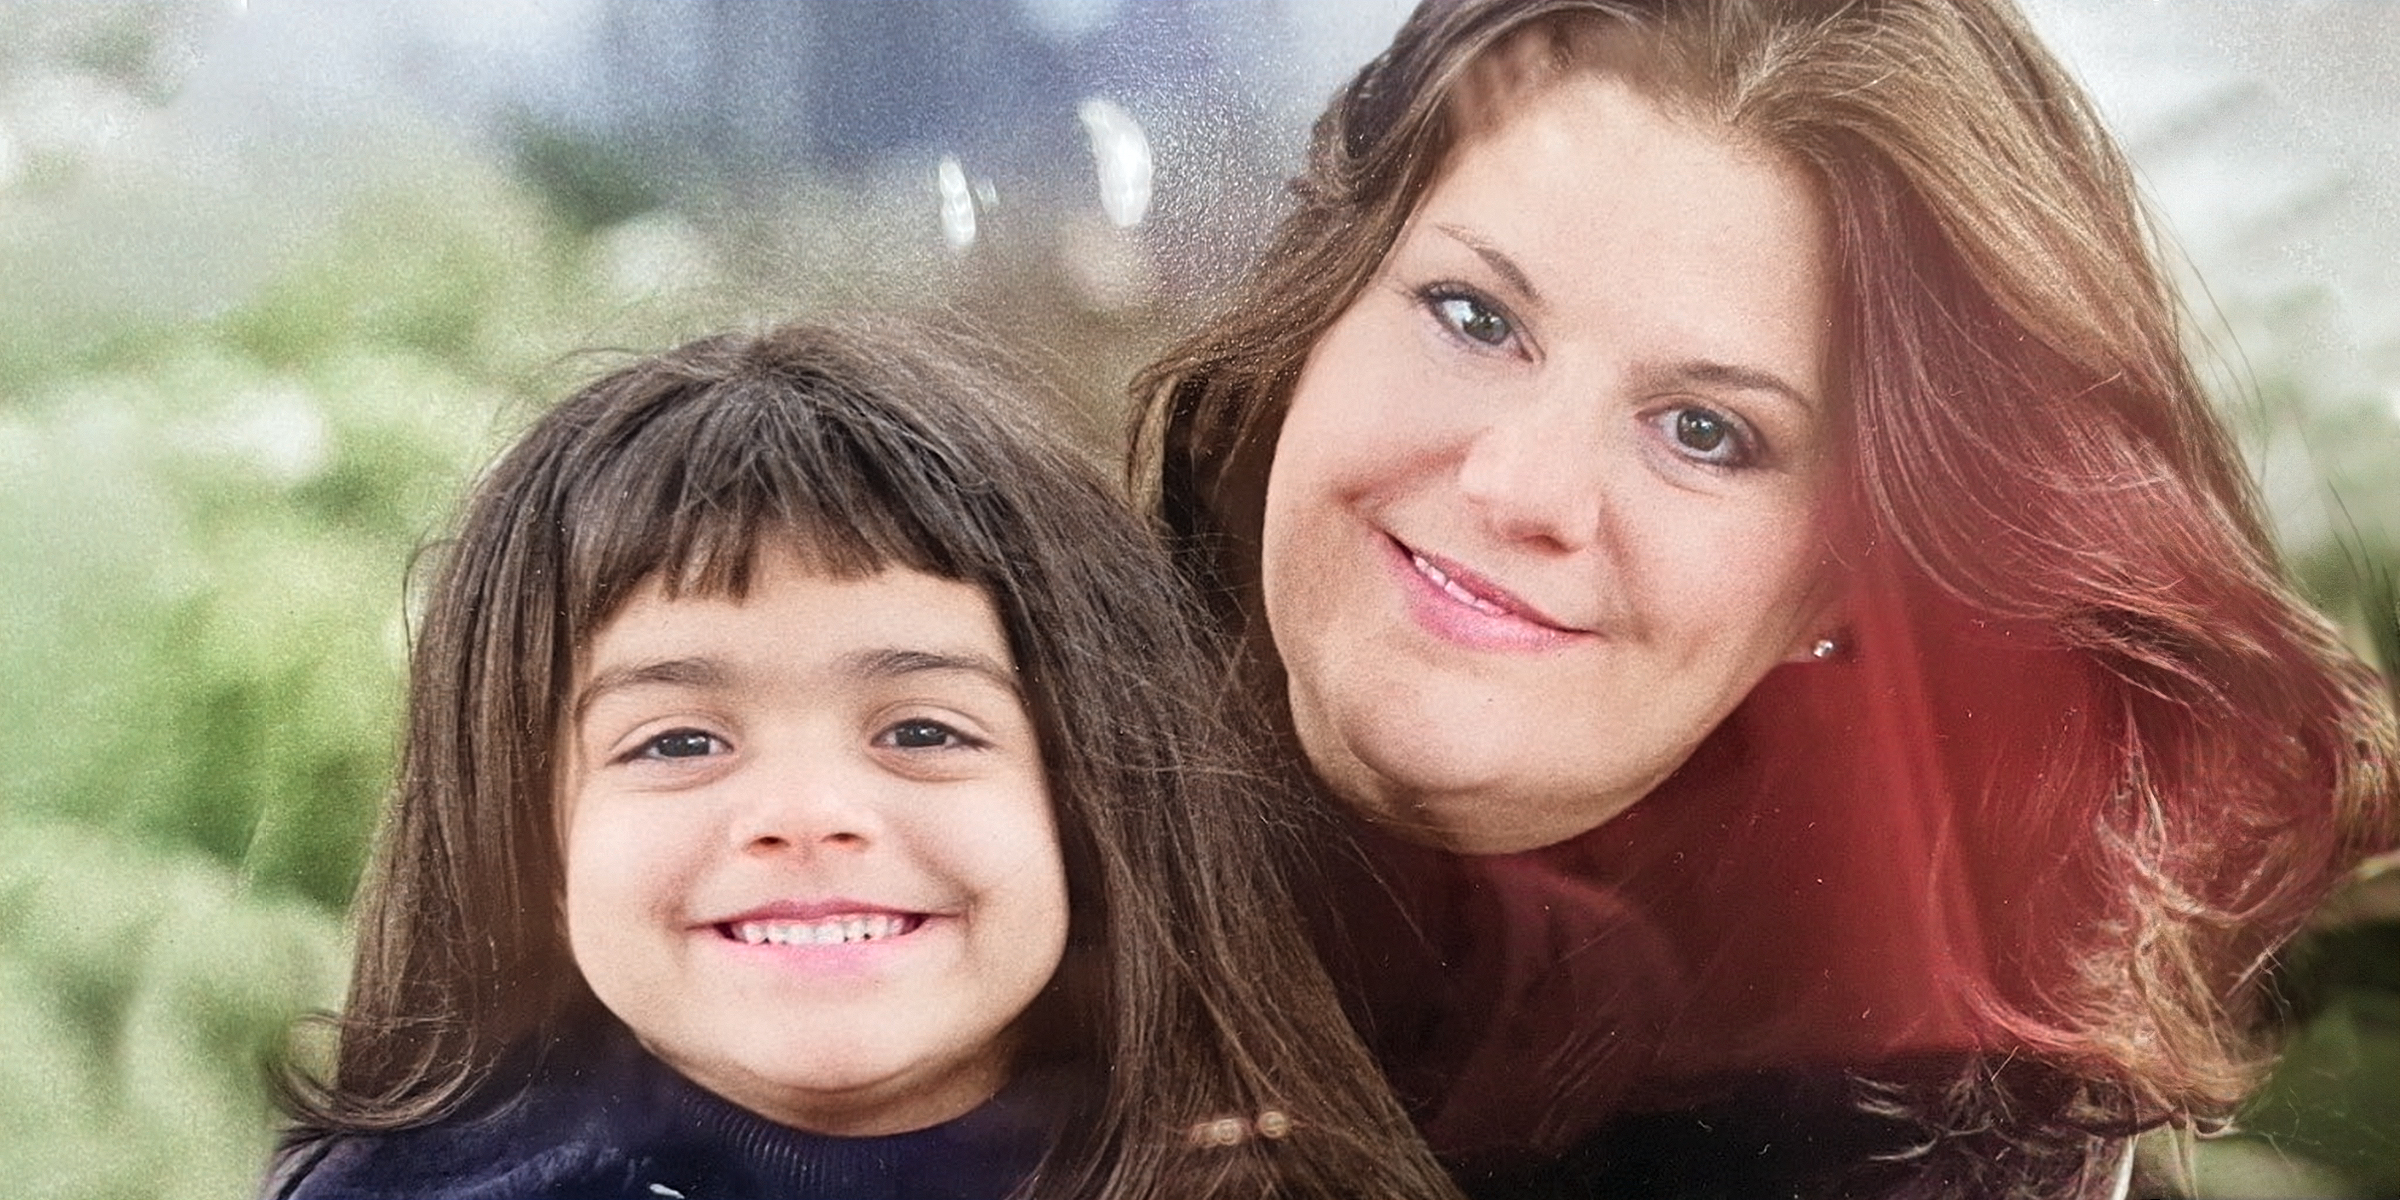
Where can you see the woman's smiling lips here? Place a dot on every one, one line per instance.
(1456, 605)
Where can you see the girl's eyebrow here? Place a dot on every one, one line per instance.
(893, 662)
(707, 673)
(672, 672)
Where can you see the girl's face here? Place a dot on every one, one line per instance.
(1546, 503)
(810, 857)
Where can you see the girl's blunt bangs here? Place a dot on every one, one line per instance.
(697, 475)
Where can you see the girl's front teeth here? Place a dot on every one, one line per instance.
(831, 932)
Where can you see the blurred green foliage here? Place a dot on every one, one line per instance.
(205, 525)
(2335, 1098)
(141, 987)
(206, 521)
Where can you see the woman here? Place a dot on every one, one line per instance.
(1718, 490)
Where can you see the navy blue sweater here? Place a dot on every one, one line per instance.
(607, 1120)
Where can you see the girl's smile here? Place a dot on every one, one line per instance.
(810, 853)
(819, 923)
(836, 943)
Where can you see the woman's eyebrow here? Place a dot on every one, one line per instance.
(705, 673)
(895, 662)
(1709, 373)
(1495, 258)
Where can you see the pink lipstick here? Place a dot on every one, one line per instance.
(1457, 605)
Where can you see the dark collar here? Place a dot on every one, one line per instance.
(599, 1117)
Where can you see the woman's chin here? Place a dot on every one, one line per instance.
(1478, 826)
(1457, 802)
(1444, 760)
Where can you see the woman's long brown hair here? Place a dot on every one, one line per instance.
(1189, 993)
(2090, 760)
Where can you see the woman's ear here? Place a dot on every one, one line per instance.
(1829, 646)
(1825, 635)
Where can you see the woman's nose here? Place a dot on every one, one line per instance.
(1534, 473)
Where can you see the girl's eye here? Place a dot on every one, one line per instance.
(922, 734)
(1708, 436)
(1471, 316)
(682, 743)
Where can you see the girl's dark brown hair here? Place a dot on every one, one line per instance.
(2097, 761)
(1189, 992)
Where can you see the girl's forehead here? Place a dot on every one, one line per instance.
(792, 612)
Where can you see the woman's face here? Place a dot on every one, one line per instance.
(1547, 501)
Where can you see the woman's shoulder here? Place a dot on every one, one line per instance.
(1817, 1133)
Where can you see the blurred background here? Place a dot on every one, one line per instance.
(277, 278)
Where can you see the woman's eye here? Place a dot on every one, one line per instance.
(682, 743)
(1471, 317)
(1706, 435)
(921, 734)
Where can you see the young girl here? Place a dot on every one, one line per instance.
(813, 788)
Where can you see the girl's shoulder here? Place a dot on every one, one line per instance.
(567, 1127)
(442, 1160)
(599, 1119)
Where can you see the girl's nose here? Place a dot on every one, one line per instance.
(1535, 473)
(805, 811)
